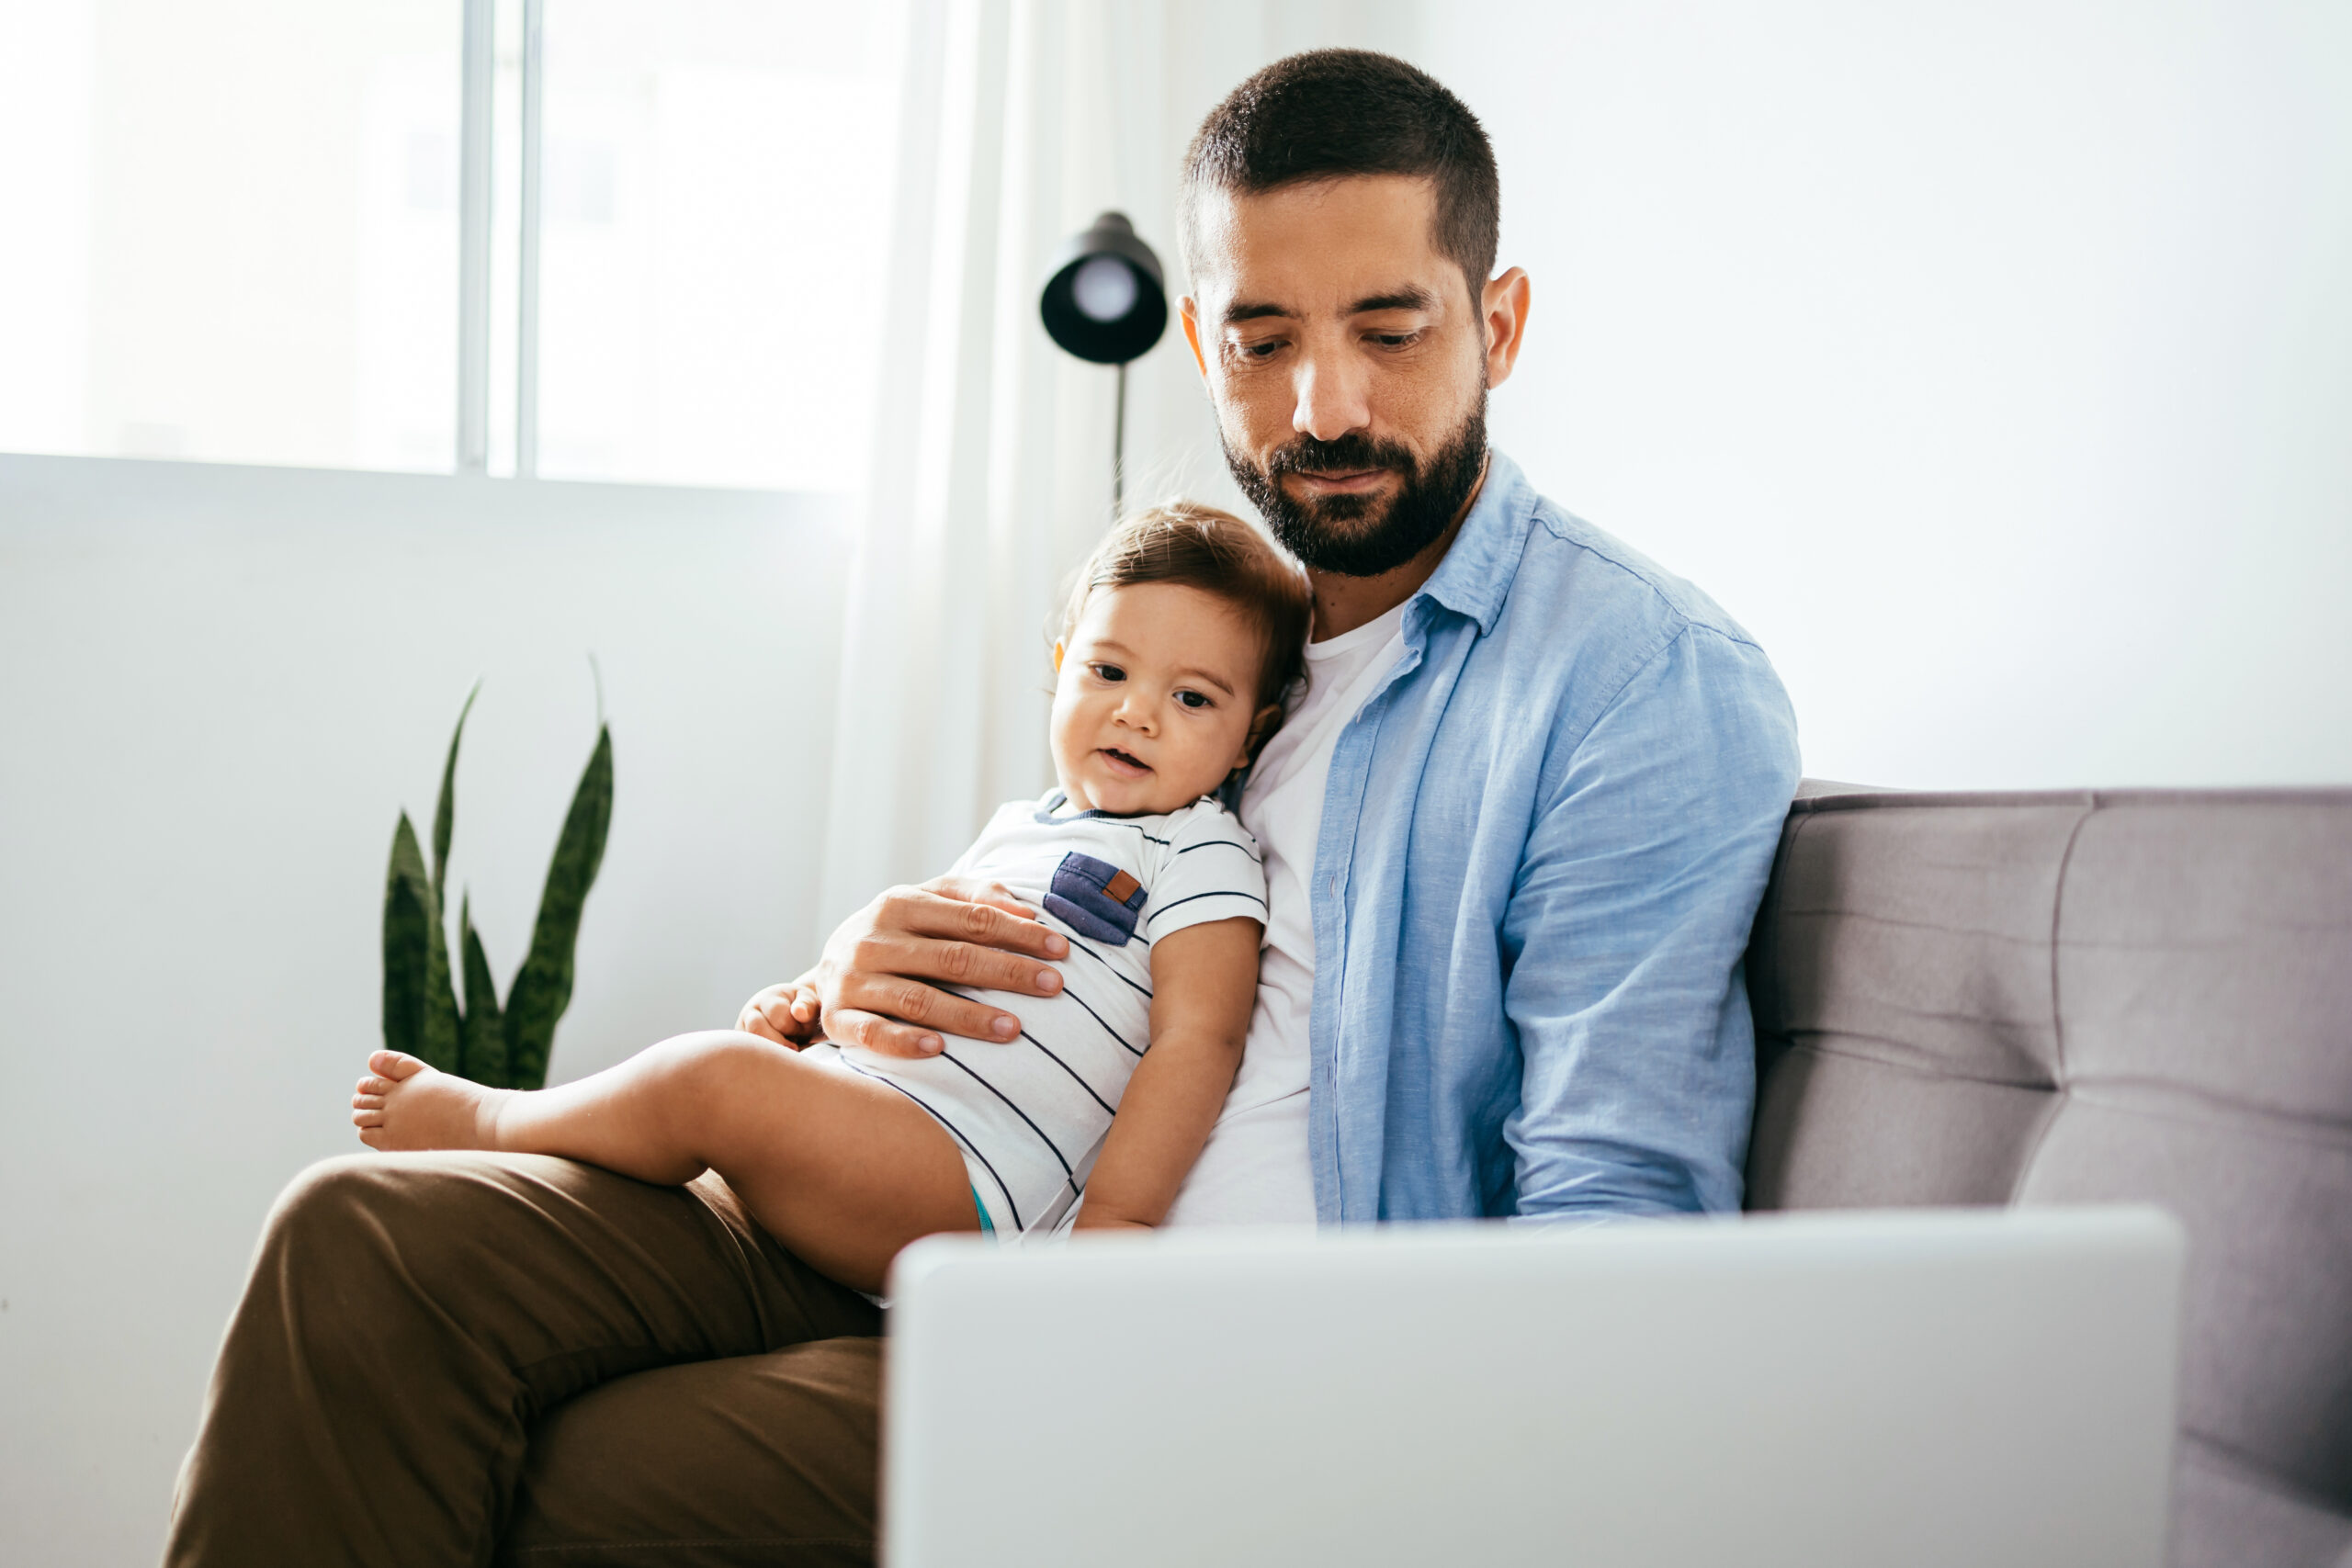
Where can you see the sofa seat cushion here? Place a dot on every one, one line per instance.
(2061, 999)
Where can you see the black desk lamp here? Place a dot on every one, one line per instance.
(1107, 303)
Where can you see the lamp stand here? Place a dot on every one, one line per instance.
(1119, 447)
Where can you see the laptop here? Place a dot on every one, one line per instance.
(1832, 1390)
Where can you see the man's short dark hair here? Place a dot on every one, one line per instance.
(1334, 112)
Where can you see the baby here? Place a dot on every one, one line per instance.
(1181, 638)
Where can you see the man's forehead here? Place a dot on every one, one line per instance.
(1318, 245)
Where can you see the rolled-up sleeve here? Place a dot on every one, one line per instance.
(1653, 838)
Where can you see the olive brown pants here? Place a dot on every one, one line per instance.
(474, 1358)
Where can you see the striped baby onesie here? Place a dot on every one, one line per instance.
(1030, 1115)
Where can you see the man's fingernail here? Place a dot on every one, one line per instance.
(928, 1045)
(1049, 980)
(1058, 946)
(1006, 1025)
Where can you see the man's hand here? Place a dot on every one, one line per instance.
(871, 987)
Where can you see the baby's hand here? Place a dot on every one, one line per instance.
(786, 1013)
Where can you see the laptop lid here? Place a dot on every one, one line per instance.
(1921, 1387)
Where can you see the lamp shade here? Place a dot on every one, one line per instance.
(1106, 300)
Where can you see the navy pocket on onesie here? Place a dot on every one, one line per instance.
(1096, 898)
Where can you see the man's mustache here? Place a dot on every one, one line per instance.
(1348, 454)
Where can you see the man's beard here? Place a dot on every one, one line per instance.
(1361, 536)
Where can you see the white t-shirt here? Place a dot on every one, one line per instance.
(1255, 1169)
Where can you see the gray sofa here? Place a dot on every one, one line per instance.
(2082, 998)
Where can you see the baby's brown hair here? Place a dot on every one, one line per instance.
(1200, 546)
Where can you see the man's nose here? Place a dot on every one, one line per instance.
(1331, 397)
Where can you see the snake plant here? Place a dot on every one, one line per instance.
(423, 1012)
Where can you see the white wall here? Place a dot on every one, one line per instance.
(1991, 363)
(218, 688)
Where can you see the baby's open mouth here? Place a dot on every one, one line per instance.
(1122, 762)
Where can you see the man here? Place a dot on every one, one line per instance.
(1515, 831)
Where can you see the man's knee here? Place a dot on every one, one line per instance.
(322, 1204)
(343, 1219)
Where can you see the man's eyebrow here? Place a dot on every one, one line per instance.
(1408, 297)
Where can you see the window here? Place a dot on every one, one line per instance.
(713, 218)
(239, 227)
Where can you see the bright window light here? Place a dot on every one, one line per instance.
(232, 231)
(714, 212)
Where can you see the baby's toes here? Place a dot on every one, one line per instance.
(394, 1065)
(366, 1102)
(367, 1116)
(372, 1084)
(371, 1136)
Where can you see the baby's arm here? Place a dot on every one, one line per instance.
(1203, 984)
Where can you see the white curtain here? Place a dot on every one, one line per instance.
(1020, 122)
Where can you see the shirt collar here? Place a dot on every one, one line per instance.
(1474, 577)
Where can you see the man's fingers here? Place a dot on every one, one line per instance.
(849, 1026)
(953, 963)
(996, 895)
(980, 912)
(901, 1001)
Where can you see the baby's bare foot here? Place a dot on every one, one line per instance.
(403, 1104)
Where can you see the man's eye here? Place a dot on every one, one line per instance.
(1394, 340)
(1262, 349)
(1194, 700)
(1109, 672)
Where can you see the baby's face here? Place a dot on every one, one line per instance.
(1154, 699)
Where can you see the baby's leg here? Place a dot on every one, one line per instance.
(843, 1170)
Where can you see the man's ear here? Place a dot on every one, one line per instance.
(1192, 317)
(1504, 302)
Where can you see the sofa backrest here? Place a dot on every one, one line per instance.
(2087, 998)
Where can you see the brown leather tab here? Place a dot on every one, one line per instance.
(1121, 887)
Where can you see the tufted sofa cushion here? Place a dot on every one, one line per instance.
(2065, 998)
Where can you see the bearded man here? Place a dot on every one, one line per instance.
(1515, 827)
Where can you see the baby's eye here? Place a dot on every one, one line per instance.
(1194, 699)
(1108, 672)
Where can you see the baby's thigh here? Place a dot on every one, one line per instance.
(841, 1170)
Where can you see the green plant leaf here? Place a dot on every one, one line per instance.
(445, 811)
(420, 1007)
(482, 1033)
(409, 937)
(542, 987)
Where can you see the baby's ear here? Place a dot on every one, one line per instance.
(1261, 728)
(1059, 648)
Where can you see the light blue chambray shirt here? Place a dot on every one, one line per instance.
(1543, 842)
